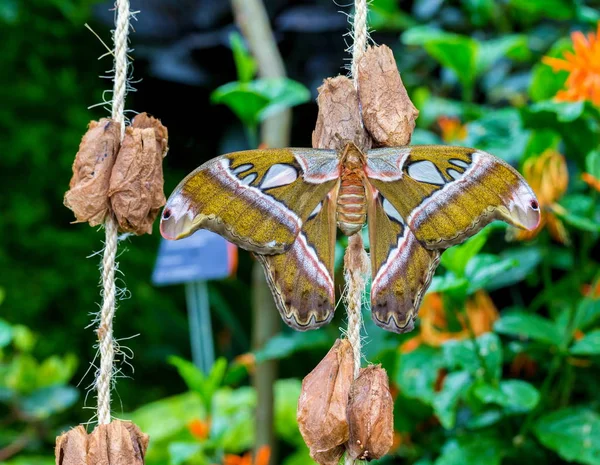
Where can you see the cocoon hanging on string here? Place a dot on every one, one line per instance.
(87, 196)
(136, 183)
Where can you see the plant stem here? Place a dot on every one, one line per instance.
(251, 17)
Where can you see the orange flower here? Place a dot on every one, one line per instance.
(548, 177)
(591, 290)
(591, 181)
(248, 361)
(199, 429)
(263, 454)
(583, 66)
(480, 316)
(451, 129)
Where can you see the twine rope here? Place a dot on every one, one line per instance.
(107, 313)
(356, 264)
(360, 35)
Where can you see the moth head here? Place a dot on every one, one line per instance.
(524, 208)
(177, 219)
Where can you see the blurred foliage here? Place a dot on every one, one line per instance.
(503, 364)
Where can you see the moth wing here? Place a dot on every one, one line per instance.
(301, 279)
(258, 199)
(447, 194)
(402, 267)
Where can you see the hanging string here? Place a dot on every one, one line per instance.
(107, 313)
(360, 35)
(356, 262)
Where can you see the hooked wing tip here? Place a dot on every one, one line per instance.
(176, 219)
(524, 209)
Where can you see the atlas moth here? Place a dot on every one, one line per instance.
(285, 206)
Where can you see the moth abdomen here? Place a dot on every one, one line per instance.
(351, 211)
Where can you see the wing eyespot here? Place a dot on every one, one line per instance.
(535, 206)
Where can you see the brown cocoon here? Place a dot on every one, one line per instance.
(143, 121)
(370, 415)
(118, 443)
(339, 119)
(323, 401)
(71, 447)
(88, 190)
(136, 183)
(328, 457)
(387, 111)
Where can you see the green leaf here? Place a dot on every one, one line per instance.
(528, 325)
(444, 403)
(588, 345)
(588, 312)
(573, 433)
(539, 141)
(592, 163)
(244, 62)
(6, 333)
(283, 345)
(29, 459)
(481, 12)
(524, 260)
(499, 132)
(485, 419)
(456, 52)
(21, 374)
(513, 46)
(232, 419)
(418, 371)
(47, 401)
(565, 111)
(386, 15)
(300, 457)
(282, 93)
(24, 339)
(254, 101)
(181, 452)
(578, 131)
(456, 258)
(448, 282)
(245, 102)
(485, 269)
(191, 374)
(174, 412)
(287, 392)
(471, 450)
(514, 395)
(431, 107)
(579, 222)
(545, 83)
(205, 385)
(554, 9)
(57, 370)
(462, 354)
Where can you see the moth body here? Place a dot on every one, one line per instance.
(351, 211)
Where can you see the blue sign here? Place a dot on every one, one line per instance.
(201, 257)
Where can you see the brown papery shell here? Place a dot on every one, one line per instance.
(328, 457)
(370, 415)
(323, 400)
(143, 121)
(387, 111)
(136, 183)
(88, 190)
(118, 443)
